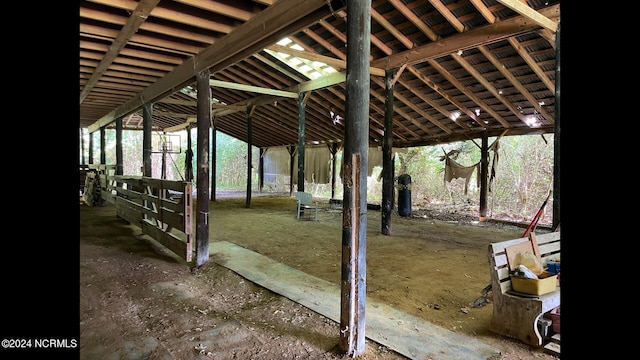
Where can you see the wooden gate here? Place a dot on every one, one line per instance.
(163, 209)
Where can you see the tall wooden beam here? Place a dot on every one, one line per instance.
(103, 147)
(90, 148)
(202, 176)
(556, 140)
(163, 173)
(301, 137)
(188, 158)
(356, 151)
(334, 151)
(484, 172)
(82, 159)
(119, 157)
(261, 169)
(147, 123)
(387, 149)
(214, 154)
(292, 153)
(249, 157)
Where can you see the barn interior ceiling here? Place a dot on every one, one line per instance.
(461, 68)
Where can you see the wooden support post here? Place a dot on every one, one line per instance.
(147, 123)
(556, 140)
(356, 152)
(119, 156)
(292, 154)
(249, 157)
(387, 164)
(163, 174)
(301, 136)
(334, 150)
(188, 157)
(90, 148)
(82, 159)
(261, 169)
(214, 152)
(203, 120)
(103, 151)
(484, 176)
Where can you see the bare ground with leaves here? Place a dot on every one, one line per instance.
(138, 301)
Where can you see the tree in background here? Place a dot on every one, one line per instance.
(524, 175)
(524, 171)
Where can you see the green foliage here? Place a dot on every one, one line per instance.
(524, 174)
(524, 170)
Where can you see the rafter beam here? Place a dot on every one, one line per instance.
(138, 16)
(500, 30)
(250, 37)
(251, 88)
(525, 10)
(333, 62)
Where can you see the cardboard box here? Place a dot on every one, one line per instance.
(545, 283)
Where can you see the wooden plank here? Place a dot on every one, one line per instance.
(513, 250)
(128, 210)
(548, 237)
(499, 247)
(534, 244)
(549, 249)
(170, 241)
(524, 9)
(416, 338)
(552, 349)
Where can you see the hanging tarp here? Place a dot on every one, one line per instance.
(276, 163)
(317, 165)
(453, 170)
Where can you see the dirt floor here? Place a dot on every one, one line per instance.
(139, 301)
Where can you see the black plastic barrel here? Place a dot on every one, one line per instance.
(404, 195)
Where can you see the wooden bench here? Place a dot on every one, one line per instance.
(517, 315)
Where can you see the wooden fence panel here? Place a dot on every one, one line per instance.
(162, 209)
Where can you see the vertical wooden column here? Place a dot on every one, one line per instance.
(249, 153)
(82, 159)
(484, 176)
(292, 154)
(556, 140)
(188, 158)
(103, 151)
(119, 155)
(163, 173)
(91, 148)
(301, 137)
(261, 169)
(356, 152)
(147, 123)
(387, 148)
(202, 176)
(214, 155)
(334, 151)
